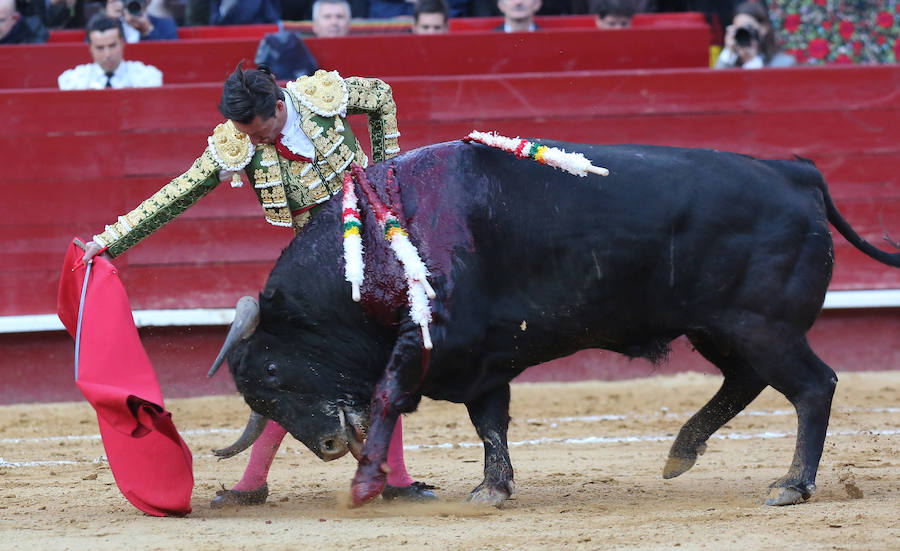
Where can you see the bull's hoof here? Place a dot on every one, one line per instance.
(417, 491)
(239, 498)
(492, 495)
(364, 492)
(677, 465)
(790, 495)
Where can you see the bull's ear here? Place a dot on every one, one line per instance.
(280, 304)
(272, 297)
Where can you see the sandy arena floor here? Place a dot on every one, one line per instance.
(588, 459)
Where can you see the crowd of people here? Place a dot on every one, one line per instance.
(757, 33)
(750, 39)
(159, 19)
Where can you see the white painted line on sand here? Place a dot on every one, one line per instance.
(587, 440)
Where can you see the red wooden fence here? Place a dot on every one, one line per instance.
(74, 161)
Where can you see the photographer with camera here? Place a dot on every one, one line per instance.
(140, 25)
(750, 41)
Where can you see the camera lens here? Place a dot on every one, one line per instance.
(134, 7)
(744, 36)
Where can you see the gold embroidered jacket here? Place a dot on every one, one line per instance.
(322, 102)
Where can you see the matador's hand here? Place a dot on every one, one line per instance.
(90, 251)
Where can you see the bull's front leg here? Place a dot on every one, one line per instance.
(490, 415)
(398, 391)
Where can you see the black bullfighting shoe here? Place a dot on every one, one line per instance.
(417, 491)
(238, 498)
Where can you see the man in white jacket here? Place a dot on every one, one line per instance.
(106, 40)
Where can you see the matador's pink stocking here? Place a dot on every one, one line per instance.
(398, 475)
(261, 457)
(265, 447)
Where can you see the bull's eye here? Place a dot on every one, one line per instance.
(272, 375)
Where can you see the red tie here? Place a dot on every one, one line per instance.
(288, 154)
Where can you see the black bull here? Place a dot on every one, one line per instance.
(530, 264)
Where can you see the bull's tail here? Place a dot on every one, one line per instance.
(844, 228)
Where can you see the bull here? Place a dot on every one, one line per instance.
(531, 264)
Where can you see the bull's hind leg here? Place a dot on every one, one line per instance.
(740, 387)
(810, 390)
(782, 357)
(490, 415)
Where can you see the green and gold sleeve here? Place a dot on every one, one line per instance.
(374, 98)
(167, 203)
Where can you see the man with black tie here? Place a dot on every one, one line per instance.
(106, 40)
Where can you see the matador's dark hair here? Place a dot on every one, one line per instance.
(249, 93)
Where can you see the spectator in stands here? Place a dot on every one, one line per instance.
(196, 12)
(430, 17)
(613, 14)
(173, 9)
(55, 14)
(276, 135)
(473, 8)
(106, 40)
(285, 53)
(750, 41)
(331, 18)
(298, 10)
(518, 15)
(138, 24)
(244, 12)
(16, 29)
(390, 9)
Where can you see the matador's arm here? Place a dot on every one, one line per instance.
(374, 98)
(228, 149)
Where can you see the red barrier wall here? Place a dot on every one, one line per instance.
(388, 56)
(77, 160)
(846, 340)
(108, 150)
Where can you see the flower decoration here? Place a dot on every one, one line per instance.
(419, 291)
(818, 32)
(573, 163)
(353, 248)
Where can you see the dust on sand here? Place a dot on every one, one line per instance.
(588, 459)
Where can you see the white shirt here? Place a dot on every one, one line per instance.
(507, 29)
(292, 136)
(129, 74)
(132, 35)
(728, 59)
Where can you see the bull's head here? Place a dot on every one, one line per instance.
(286, 373)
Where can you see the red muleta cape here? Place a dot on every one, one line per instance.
(148, 458)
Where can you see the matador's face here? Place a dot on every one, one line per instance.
(261, 130)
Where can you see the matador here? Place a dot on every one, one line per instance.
(294, 145)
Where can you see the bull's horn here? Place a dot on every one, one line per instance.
(246, 317)
(254, 428)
